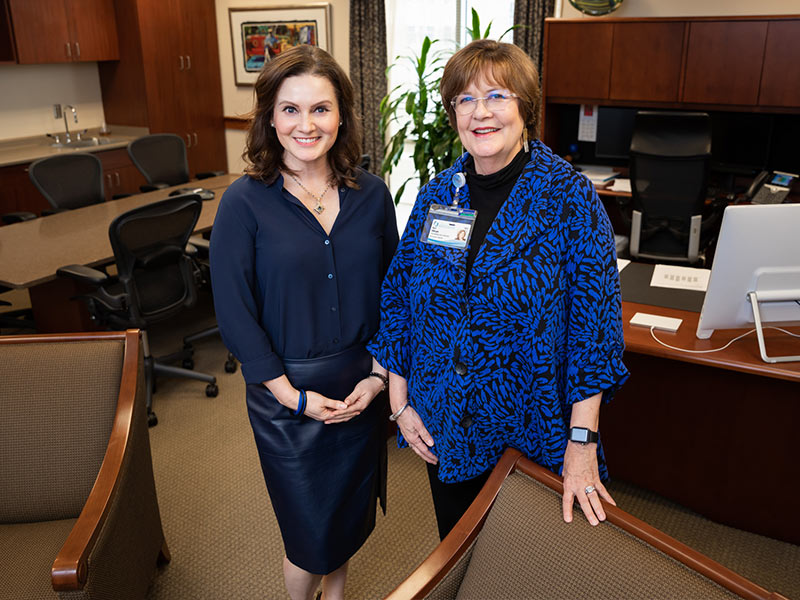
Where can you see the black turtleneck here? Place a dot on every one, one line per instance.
(487, 194)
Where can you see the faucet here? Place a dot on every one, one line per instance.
(66, 124)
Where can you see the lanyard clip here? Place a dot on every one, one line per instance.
(459, 181)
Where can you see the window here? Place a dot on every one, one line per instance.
(407, 24)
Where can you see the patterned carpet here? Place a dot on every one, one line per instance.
(225, 542)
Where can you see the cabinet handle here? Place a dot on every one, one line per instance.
(108, 178)
(77, 50)
(181, 59)
(188, 62)
(69, 50)
(195, 138)
(188, 140)
(116, 175)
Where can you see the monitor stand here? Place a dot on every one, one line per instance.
(771, 296)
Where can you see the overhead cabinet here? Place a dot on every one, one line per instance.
(736, 62)
(168, 78)
(57, 31)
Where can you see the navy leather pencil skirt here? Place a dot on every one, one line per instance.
(323, 480)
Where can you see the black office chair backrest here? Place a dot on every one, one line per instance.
(161, 158)
(69, 180)
(149, 245)
(670, 155)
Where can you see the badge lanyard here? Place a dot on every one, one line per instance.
(450, 226)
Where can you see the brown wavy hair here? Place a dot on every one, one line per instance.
(263, 151)
(506, 65)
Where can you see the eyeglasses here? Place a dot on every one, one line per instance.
(464, 104)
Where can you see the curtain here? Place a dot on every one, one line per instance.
(368, 70)
(530, 14)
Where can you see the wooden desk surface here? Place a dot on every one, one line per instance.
(32, 251)
(742, 355)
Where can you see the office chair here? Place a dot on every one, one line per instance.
(69, 181)
(15, 319)
(161, 158)
(156, 280)
(670, 155)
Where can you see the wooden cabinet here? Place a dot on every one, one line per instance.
(578, 59)
(53, 31)
(646, 61)
(780, 79)
(723, 62)
(120, 176)
(168, 79)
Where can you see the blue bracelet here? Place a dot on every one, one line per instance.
(301, 403)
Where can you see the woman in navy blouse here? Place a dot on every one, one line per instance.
(298, 251)
(515, 338)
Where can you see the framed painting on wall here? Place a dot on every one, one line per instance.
(259, 34)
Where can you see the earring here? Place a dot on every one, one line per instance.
(340, 123)
(525, 140)
(272, 124)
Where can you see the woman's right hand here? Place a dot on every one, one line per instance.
(318, 406)
(409, 422)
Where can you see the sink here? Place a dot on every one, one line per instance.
(86, 142)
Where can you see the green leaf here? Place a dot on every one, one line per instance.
(475, 32)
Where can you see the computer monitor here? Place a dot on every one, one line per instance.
(755, 277)
(614, 131)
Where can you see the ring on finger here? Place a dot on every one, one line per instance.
(589, 489)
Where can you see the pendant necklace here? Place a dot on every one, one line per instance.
(318, 208)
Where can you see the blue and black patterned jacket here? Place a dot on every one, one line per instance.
(533, 328)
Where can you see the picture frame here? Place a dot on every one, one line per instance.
(260, 33)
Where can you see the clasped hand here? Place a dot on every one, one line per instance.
(352, 406)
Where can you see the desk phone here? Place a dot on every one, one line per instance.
(770, 187)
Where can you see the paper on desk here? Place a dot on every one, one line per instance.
(680, 278)
(622, 263)
(587, 123)
(621, 185)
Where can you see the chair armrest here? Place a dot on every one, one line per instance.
(200, 243)
(208, 174)
(190, 250)
(71, 567)
(83, 274)
(17, 217)
(152, 187)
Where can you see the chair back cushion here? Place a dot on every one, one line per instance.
(58, 402)
(161, 158)
(525, 550)
(69, 181)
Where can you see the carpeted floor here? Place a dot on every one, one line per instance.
(225, 542)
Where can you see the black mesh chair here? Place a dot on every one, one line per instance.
(156, 280)
(161, 158)
(670, 155)
(69, 181)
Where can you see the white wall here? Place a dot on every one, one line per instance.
(691, 8)
(238, 100)
(29, 92)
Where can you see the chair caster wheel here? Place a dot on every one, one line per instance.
(230, 366)
(152, 419)
(188, 363)
(212, 390)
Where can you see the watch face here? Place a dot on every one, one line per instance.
(579, 435)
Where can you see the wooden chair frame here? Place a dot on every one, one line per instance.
(439, 563)
(70, 568)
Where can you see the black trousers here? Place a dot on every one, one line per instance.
(451, 500)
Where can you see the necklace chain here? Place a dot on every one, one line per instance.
(318, 208)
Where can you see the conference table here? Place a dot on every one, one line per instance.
(32, 251)
(714, 432)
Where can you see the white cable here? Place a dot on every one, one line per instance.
(653, 334)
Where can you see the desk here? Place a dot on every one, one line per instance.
(717, 432)
(32, 251)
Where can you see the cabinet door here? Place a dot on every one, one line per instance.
(780, 80)
(723, 64)
(646, 61)
(40, 31)
(578, 60)
(120, 176)
(94, 29)
(202, 87)
(17, 192)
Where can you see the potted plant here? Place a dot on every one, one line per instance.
(421, 118)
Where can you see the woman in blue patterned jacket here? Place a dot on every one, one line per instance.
(512, 337)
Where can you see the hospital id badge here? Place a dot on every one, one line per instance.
(449, 226)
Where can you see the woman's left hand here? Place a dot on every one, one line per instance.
(580, 474)
(358, 400)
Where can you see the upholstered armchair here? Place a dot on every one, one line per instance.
(513, 543)
(79, 516)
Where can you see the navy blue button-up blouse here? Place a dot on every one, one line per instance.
(283, 288)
